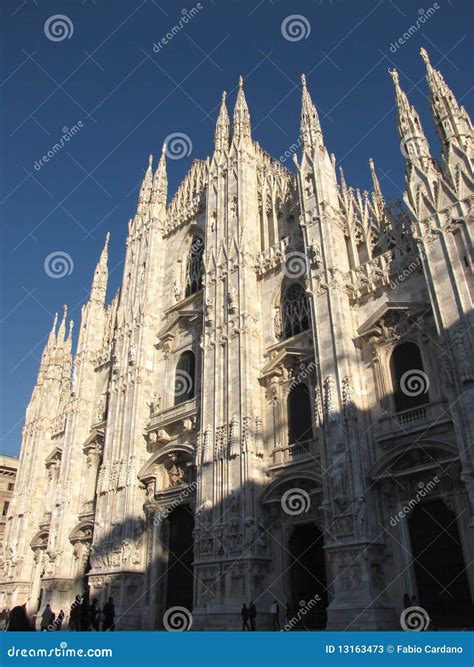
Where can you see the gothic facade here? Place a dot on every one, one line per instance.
(278, 402)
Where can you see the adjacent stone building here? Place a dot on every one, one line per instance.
(8, 471)
(278, 402)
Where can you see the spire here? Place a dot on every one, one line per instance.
(146, 188)
(160, 181)
(241, 115)
(414, 144)
(221, 138)
(453, 124)
(310, 130)
(62, 328)
(52, 334)
(377, 189)
(99, 282)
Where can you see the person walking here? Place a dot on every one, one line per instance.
(109, 615)
(47, 617)
(75, 615)
(253, 616)
(18, 620)
(58, 621)
(275, 611)
(245, 617)
(94, 614)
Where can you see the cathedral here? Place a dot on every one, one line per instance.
(277, 405)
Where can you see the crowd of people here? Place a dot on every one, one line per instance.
(84, 616)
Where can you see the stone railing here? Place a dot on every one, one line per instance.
(407, 420)
(380, 271)
(173, 414)
(295, 451)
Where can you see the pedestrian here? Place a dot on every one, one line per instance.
(75, 614)
(275, 611)
(18, 620)
(252, 616)
(406, 601)
(245, 617)
(94, 613)
(58, 621)
(109, 615)
(47, 617)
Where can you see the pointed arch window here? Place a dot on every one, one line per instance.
(300, 423)
(410, 382)
(194, 266)
(185, 378)
(294, 310)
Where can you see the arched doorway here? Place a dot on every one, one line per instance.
(179, 577)
(438, 561)
(307, 577)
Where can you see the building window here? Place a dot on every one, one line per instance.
(5, 508)
(410, 382)
(294, 310)
(194, 266)
(11, 486)
(185, 378)
(300, 423)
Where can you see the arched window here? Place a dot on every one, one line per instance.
(410, 382)
(185, 378)
(194, 266)
(300, 423)
(294, 310)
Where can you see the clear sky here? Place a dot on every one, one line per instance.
(124, 95)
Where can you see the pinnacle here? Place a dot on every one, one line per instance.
(394, 74)
(303, 80)
(424, 55)
(241, 81)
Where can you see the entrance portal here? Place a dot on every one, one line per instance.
(308, 594)
(180, 563)
(440, 569)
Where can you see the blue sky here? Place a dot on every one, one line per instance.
(106, 79)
